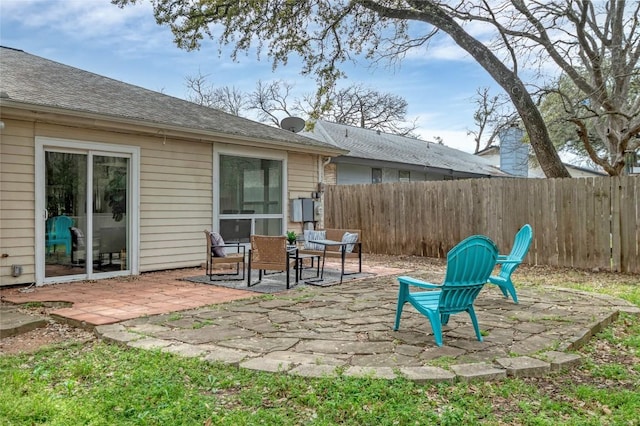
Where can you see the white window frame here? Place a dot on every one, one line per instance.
(224, 149)
(90, 148)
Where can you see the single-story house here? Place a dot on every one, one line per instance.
(374, 157)
(137, 175)
(512, 156)
(529, 168)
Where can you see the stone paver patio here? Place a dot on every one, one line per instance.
(347, 329)
(343, 329)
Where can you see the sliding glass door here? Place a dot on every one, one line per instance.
(86, 198)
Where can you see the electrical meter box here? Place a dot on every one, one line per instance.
(302, 210)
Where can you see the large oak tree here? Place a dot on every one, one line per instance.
(325, 33)
(595, 132)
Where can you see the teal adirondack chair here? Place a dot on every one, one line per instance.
(508, 263)
(469, 265)
(57, 232)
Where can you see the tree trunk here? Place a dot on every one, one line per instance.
(531, 118)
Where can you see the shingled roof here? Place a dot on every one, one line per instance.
(367, 144)
(28, 82)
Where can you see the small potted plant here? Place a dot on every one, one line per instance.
(291, 237)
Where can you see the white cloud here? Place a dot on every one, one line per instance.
(451, 138)
(79, 18)
(440, 48)
(443, 47)
(96, 22)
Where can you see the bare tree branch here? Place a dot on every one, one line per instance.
(595, 44)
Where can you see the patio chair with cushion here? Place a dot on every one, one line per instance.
(353, 251)
(269, 253)
(219, 253)
(77, 245)
(79, 248)
(509, 263)
(469, 265)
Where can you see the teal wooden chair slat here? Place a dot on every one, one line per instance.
(508, 263)
(469, 265)
(58, 232)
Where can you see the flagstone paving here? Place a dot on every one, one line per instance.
(347, 329)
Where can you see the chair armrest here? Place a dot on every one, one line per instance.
(505, 258)
(417, 283)
(509, 261)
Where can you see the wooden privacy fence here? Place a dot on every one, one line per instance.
(582, 222)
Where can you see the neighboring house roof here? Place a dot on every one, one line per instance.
(490, 150)
(396, 151)
(33, 83)
(492, 153)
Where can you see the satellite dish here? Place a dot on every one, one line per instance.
(293, 124)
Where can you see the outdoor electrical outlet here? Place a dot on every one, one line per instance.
(16, 270)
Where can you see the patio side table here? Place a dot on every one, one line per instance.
(315, 259)
(331, 243)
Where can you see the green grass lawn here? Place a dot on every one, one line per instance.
(104, 384)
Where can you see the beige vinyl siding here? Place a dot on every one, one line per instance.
(17, 201)
(175, 203)
(175, 196)
(302, 171)
(303, 174)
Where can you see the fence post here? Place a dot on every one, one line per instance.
(616, 246)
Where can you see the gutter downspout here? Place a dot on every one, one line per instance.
(322, 163)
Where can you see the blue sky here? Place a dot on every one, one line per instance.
(128, 45)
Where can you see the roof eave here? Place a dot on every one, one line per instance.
(122, 124)
(417, 167)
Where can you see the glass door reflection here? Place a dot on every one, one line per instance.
(65, 227)
(110, 220)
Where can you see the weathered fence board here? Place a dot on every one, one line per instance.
(584, 223)
(630, 214)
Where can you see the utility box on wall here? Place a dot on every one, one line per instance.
(302, 210)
